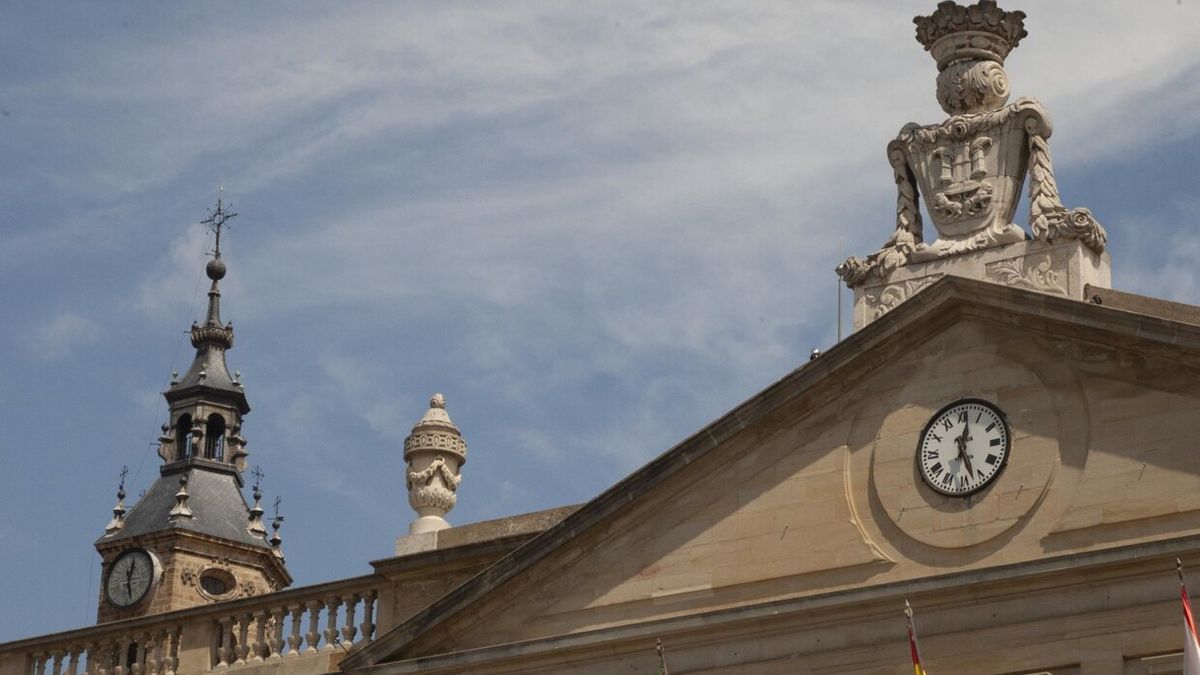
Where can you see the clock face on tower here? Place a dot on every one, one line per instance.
(129, 578)
(963, 447)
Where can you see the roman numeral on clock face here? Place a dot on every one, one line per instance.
(963, 447)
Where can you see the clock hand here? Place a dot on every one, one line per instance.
(966, 458)
(961, 442)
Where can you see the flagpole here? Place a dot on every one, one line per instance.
(1191, 645)
(912, 640)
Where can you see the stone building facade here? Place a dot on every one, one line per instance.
(1004, 443)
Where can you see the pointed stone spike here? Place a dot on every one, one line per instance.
(181, 510)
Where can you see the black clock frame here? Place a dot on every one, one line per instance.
(1003, 462)
(149, 587)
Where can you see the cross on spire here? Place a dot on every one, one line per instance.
(258, 476)
(278, 518)
(217, 219)
(124, 473)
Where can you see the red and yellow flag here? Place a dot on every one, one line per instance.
(1191, 643)
(912, 640)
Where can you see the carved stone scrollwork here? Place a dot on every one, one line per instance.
(1048, 218)
(1040, 274)
(886, 298)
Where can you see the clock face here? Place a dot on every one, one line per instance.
(129, 578)
(964, 447)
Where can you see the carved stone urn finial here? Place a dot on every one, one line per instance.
(435, 452)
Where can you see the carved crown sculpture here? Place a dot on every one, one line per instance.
(970, 167)
(435, 452)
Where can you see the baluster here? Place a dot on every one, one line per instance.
(259, 644)
(40, 659)
(107, 659)
(154, 652)
(349, 630)
(81, 664)
(368, 625)
(147, 662)
(121, 662)
(170, 651)
(276, 643)
(314, 622)
(331, 614)
(223, 647)
(243, 648)
(102, 664)
(138, 667)
(297, 612)
(73, 653)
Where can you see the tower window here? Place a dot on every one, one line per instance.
(217, 584)
(214, 438)
(183, 437)
(214, 584)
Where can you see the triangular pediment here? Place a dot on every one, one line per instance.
(810, 487)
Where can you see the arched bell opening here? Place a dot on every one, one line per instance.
(214, 438)
(183, 437)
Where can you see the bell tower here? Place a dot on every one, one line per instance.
(192, 539)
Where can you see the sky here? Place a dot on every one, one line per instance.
(595, 227)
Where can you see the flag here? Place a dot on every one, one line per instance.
(912, 641)
(662, 658)
(1191, 644)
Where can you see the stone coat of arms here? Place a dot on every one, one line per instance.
(969, 169)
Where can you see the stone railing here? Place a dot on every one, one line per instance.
(318, 622)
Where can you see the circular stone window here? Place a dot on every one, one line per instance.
(216, 583)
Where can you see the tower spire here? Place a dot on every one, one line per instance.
(118, 519)
(218, 218)
(207, 403)
(198, 494)
(255, 527)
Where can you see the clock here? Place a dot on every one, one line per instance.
(129, 578)
(964, 447)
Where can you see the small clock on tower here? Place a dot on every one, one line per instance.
(130, 578)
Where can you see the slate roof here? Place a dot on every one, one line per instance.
(215, 497)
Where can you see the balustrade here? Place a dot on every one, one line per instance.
(149, 653)
(275, 627)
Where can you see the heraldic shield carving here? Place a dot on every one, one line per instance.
(969, 169)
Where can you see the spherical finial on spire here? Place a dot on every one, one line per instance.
(437, 401)
(215, 269)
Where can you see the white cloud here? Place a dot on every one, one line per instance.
(179, 278)
(62, 335)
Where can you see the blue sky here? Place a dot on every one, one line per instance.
(594, 227)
